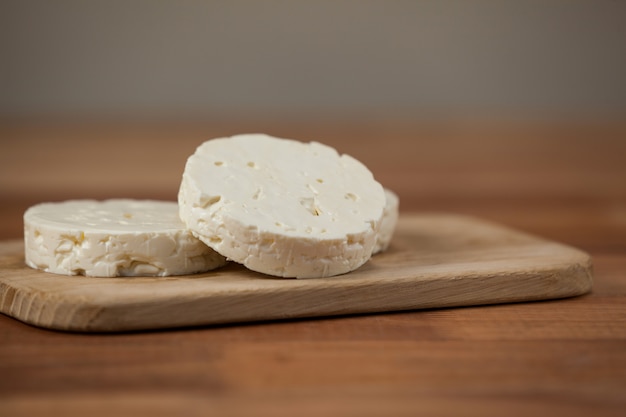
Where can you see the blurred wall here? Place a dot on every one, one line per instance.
(155, 57)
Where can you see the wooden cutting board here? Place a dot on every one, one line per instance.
(435, 260)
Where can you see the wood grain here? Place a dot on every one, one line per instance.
(434, 261)
(562, 181)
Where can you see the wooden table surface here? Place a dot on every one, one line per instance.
(563, 181)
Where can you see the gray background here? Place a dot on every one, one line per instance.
(419, 58)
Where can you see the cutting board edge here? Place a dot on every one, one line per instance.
(96, 318)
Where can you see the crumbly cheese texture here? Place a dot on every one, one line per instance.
(282, 207)
(388, 222)
(113, 238)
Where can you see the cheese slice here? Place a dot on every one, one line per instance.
(282, 207)
(113, 238)
(388, 222)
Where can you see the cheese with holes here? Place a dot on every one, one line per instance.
(113, 238)
(388, 222)
(282, 207)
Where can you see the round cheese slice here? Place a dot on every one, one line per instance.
(388, 222)
(282, 207)
(113, 238)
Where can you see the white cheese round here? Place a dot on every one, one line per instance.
(282, 207)
(113, 238)
(388, 222)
